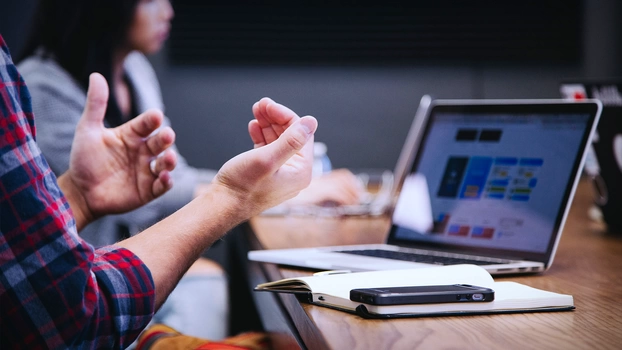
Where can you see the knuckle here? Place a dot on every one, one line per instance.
(296, 141)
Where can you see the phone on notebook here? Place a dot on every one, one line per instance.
(454, 293)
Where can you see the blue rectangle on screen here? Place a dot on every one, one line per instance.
(496, 195)
(533, 182)
(506, 161)
(531, 161)
(520, 198)
(503, 182)
(476, 176)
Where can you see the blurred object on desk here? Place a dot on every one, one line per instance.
(284, 232)
(604, 161)
(376, 200)
(321, 161)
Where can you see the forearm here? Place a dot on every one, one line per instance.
(169, 247)
(187, 181)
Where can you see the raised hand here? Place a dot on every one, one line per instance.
(279, 166)
(271, 120)
(277, 169)
(339, 187)
(109, 169)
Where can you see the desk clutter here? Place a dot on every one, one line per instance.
(587, 266)
(604, 159)
(332, 289)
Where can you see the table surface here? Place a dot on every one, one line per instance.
(588, 266)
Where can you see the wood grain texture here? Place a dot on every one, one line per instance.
(588, 265)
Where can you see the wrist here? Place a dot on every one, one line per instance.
(234, 205)
(79, 206)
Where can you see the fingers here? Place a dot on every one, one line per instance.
(163, 183)
(295, 139)
(339, 187)
(146, 123)
(272, 119)
(161, 168)
(349, 196)
(254, 130)
(96, 99)
(268, 112)
(345, 194)
(347, 180)
(269, 131)
(161, 141)
(164, 162)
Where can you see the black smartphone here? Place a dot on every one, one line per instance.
(454, 293)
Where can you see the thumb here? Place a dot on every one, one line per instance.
(96, 99)
(293, 140)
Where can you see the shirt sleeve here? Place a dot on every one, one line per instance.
(56, 291)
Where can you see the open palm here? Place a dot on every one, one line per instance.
(111, 167)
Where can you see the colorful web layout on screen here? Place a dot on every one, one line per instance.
(493, 181)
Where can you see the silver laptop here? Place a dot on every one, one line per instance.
(487, 182)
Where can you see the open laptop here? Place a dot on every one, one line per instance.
(488, 182)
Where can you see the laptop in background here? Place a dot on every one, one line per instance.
(382, 200)
(488, 182)
(385, 199)
(604, 160)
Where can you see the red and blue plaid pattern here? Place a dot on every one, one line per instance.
(56, 291)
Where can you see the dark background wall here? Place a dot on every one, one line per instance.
(364, 110)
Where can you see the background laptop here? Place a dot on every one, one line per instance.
(380, 202)
(488, 182)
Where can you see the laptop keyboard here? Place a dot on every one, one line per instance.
(424, 258)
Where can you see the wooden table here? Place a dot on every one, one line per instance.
(588, 265)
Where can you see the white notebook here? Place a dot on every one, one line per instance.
(333, 290)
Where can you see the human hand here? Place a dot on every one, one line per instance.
(279, 166)
(338, 187)
(277, 169)
(109, 169)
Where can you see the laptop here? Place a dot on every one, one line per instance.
(488, 182)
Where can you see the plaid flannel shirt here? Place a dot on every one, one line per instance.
(56, 291)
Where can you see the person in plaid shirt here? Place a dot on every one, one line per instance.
(57, 291)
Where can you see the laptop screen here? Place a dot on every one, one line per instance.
(493, 178)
